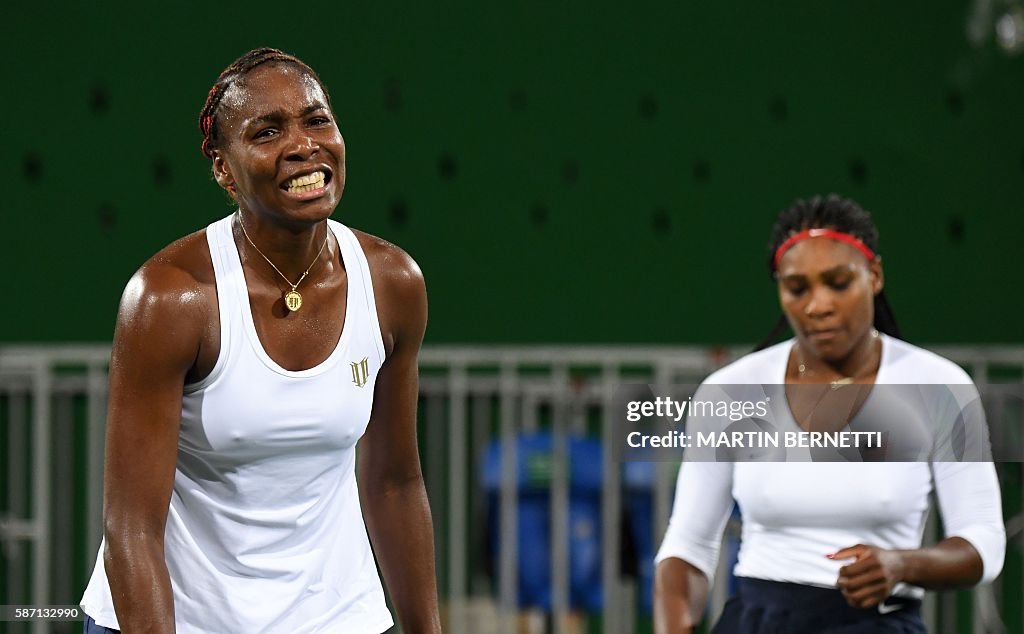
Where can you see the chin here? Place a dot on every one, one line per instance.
(831, 351)
(312, 210)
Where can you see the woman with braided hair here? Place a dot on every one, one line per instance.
(248, 360)
(833, 546)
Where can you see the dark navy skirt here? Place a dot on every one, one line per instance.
(773, 607)
(92, 628)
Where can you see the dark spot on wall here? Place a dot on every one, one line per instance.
(161, 168)
(858, 169)
(393, 101)
(956, 230)
(648, 107)
(955, 101)
(539, 213)
(778, 109)
(517, 99)
(661, 221)
(570, 172)
(99, 99)
(106, 216)
(446, 167)
(701, 171)
(32, 166)
(398, 212)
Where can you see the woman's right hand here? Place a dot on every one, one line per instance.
(680, 592)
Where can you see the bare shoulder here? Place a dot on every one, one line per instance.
(400, 293)
(391, 265)
(169, 299)
(175, 274)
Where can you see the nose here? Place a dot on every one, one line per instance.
(302, 147)
(820, 303)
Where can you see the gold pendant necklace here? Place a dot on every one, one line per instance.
(292, 299)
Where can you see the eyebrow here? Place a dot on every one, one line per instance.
(839, 268)
(278, 115)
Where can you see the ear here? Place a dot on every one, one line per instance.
(877, 275)
(222, 172)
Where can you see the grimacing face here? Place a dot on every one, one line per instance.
(281, 154)
(826, 290)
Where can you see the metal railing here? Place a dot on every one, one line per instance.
(52, 410)
(54, 405)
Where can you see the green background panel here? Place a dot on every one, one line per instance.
(614, 169)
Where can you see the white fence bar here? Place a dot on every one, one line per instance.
(559, 499)
(508, 574)
(457, 496)
(610, 502)
(97, 415)
(18, 526)
(435, 468)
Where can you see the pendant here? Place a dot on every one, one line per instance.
(293, 300)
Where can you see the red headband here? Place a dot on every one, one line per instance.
(831, 234)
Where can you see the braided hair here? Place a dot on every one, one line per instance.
(828, 212)
(236, 71)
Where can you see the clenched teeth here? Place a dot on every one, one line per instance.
(306, 183)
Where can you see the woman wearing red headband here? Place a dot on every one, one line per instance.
(828, 546)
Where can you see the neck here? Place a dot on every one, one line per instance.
(863, 360)
(291, 250)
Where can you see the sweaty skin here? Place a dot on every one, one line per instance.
(276, 123)
(826, 290)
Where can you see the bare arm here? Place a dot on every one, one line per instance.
(392, 493)
(952, 563)
(680, 592)
(969, 500)
(155, 344)
(689, 552)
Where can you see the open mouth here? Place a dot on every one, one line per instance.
(307, 182)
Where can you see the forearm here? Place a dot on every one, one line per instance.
(399, 523)
(952, 563)
(140, 586)
(680, 592)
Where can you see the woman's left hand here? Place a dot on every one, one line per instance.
(871, 577)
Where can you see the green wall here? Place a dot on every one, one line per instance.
(563, 172)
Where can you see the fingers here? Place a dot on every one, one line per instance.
(849, 552)
(869, 579)
(853, 583)
(864, 557)
(861, 566)
(863, 583)
(867, 596)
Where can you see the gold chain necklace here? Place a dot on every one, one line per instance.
(292, 299)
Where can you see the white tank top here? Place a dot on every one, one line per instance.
(264, 531)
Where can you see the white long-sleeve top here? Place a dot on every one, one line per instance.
(794, 513)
